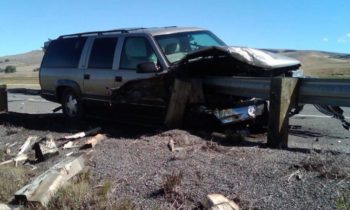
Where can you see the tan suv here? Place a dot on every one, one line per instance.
(86, 67)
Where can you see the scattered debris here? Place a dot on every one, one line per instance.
(18, 158)
(70, 145)
(44, 186)
(45, 148)
(27, 144)
(91, 143)
(69, 154)
(219, 202)
(83, 134)
(297, 174)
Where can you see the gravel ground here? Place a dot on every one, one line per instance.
(143, 170)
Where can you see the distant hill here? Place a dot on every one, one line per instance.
(25, 63)
(314, 63)
(319, 63)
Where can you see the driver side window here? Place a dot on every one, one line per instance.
(136, 50)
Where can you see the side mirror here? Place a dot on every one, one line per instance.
(147, 67)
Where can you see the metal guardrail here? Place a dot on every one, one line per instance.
(311, 90)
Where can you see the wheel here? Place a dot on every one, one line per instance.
(71, 104)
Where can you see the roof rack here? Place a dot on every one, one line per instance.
(122, 30)
(100, 32)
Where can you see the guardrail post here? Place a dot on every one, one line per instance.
(283, 95)
(184, 92)
(3, 98)
(177, 104)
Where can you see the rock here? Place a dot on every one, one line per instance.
(219, 202)
(171, 145)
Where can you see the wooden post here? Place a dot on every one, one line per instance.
(177, 104)
(3, 98)
(282, 98)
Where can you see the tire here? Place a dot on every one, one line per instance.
(71, 105)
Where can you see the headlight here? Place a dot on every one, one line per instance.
(251, 111)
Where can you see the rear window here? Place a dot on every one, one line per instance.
(64, 53)
(102, 53)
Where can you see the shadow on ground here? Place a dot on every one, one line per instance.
(132, 129)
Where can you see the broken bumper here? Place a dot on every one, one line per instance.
(237, 114)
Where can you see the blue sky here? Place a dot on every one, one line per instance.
(288, 24)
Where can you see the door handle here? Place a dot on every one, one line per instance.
(118, 79)
(87, 76)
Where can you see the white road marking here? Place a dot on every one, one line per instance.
(315, 116)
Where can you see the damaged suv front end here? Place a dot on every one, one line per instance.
(200, 54)
(235, 61)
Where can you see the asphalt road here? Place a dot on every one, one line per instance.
(310, 128)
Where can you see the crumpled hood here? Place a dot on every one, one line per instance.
(260, 58)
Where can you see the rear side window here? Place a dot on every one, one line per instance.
(64, 53)
(102, 53)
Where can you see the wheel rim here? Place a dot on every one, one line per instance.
(71, 106)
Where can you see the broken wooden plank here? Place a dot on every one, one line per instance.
(82, 134)
(91, 143)
(45, 148)
(282, 98)
(27, 144)
(177, 104)
(21, 157)
(70, 145)
(219, 202)
(42, 188)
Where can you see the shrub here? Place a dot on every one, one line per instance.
(6, 60)
(1, 70)
(10, 69)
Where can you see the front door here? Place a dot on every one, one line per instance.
(135, 50)
(99, 75)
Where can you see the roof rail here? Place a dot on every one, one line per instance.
(100, 32)
(122, 30)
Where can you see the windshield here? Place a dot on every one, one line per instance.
(176, 46)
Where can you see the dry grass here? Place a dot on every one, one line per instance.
(343, 202)
(172, 190)
(12, 179)
(10, 130)
(80, 194)
(19, 80)
(326, 168)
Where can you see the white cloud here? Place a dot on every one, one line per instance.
(344, 39)
(325, 39)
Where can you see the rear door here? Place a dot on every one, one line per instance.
(99, 75)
